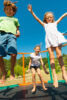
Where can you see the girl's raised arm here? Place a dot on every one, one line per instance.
(65, 14)
(30, 9)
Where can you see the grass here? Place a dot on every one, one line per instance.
(28, 78)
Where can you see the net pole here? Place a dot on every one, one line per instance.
(23, 68)
(49, 68)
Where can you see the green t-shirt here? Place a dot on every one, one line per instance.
(9, 24)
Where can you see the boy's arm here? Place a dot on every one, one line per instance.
(18, 32)
(65, 14)
(30, 9)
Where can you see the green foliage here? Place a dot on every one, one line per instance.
(7, 64)
(27, 61)
(8, 73)
(19, 61)
(45, 62)
(18, 70)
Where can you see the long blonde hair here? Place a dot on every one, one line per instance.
(44, 20)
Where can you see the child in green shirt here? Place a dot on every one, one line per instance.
(9, 31)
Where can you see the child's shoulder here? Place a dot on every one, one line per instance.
(2, 17)
(55, 22)
(15, 19)
(32, 54)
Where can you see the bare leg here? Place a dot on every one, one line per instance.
(41, 78)
(60, 59)
(2, 68)
(13, 62)
(52, 62)
(33, 80)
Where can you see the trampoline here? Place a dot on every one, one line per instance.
(24, 93)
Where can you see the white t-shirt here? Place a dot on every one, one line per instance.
(35, 59)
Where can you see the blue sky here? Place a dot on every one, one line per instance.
(32, 33)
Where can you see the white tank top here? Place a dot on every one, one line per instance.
(35, 59)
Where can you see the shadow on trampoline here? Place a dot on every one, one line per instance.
(24, 93)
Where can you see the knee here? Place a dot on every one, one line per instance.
(60, 59)
(52, 62)
(59, 55)
(52, 65)
(52, 59)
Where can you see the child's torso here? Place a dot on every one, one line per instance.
(35, 59)
(50, 28)
(8, 24)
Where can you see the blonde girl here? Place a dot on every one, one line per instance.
(53, 39)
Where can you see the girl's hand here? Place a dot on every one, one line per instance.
(65, 13)
(45, 70)
(28, 71)
(30, 8)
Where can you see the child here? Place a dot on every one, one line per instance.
(34, 65)
(54, 39)
(9, 31)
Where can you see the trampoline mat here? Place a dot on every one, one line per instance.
(24, 93)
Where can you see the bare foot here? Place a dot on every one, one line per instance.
(44, 88)
(55, 84)
(33, 90)
(2, 81)
(12, 77)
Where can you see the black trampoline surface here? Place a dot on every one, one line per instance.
(24, 93)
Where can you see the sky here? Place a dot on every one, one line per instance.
(32, 33)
